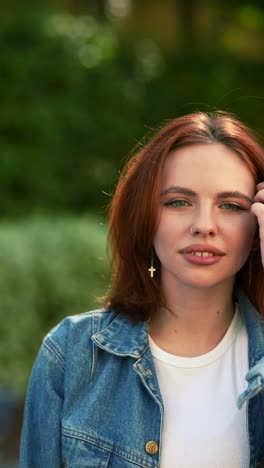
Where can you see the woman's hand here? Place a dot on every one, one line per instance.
(258, 210)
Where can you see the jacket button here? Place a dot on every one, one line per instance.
(152, 447)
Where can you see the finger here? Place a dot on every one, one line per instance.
(259, 197)
(260, 185)
(258, 210)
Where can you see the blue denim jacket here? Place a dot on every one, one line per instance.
(93, 399)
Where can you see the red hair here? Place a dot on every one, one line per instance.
(134, 209)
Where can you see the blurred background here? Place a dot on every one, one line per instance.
(81, 82)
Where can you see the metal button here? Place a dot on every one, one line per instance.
(149, 372)
(152, 447)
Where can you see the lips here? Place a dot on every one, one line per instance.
(202, 250)
(201, 254)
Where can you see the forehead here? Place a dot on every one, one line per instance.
(210, 165)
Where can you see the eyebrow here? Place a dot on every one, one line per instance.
(235, 194)
(219, 195)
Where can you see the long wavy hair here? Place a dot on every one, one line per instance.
(133, 214)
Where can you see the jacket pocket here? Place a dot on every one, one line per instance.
(78, 453)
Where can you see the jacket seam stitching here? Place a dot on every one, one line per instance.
(55, 354)
(111, 450)
(93, 350)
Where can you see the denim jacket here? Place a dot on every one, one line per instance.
(94, 401)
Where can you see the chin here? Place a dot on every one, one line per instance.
(206, 283)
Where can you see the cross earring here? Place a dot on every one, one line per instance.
(151, 269)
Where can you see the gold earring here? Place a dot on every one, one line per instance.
(152, 269)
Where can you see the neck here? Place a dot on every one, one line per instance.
(194, 320)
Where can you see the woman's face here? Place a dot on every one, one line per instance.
(206, 228)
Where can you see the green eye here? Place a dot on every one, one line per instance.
(176, 203)
(231, 207)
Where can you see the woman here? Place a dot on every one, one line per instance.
(157, 379)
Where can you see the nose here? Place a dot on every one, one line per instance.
(204, 223)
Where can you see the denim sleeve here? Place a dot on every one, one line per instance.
(41, 433)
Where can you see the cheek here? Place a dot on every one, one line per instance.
(161, 238)
(165, 236)
(243, 234)
(249, 229)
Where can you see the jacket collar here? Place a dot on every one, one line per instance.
(254, 323)
(123, 338)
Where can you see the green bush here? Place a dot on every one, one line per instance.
(49, 268)
(78, 89)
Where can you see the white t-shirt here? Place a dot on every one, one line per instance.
(202, 426)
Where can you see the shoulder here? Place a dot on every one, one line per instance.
(76, 331)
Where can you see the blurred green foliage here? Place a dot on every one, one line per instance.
(48, 269)
(82, 81)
